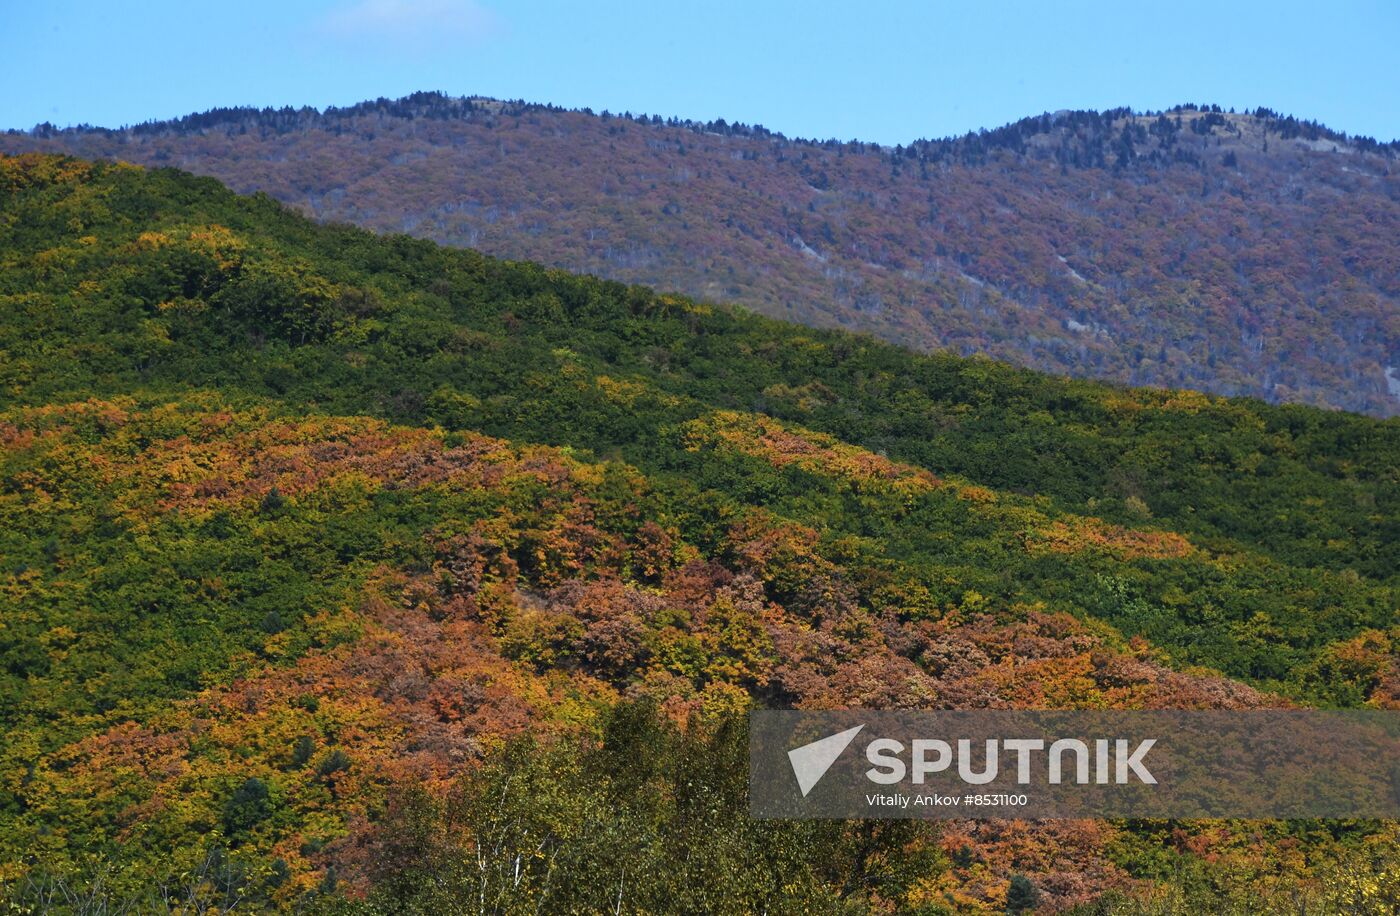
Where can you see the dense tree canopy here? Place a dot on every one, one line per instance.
(315, 541)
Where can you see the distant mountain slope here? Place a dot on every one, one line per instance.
(1240, 254)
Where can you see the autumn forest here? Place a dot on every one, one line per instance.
(340, 571)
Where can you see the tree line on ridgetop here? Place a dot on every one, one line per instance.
(969, 148)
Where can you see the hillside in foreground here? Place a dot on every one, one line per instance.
(1242, 254)
(343, 571)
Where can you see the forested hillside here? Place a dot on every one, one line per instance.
(1241, 253)
(351, 567)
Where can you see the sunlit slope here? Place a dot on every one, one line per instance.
(295, 517)
(201, 593)
(117, 279)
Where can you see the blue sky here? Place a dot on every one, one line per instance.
(871, 70)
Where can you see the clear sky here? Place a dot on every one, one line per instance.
(862, 69)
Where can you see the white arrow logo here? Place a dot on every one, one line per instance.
(811, 761)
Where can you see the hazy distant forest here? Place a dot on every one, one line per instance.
(1238, 253)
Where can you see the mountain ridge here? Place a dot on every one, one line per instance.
(439, 105)
(1236, 253)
